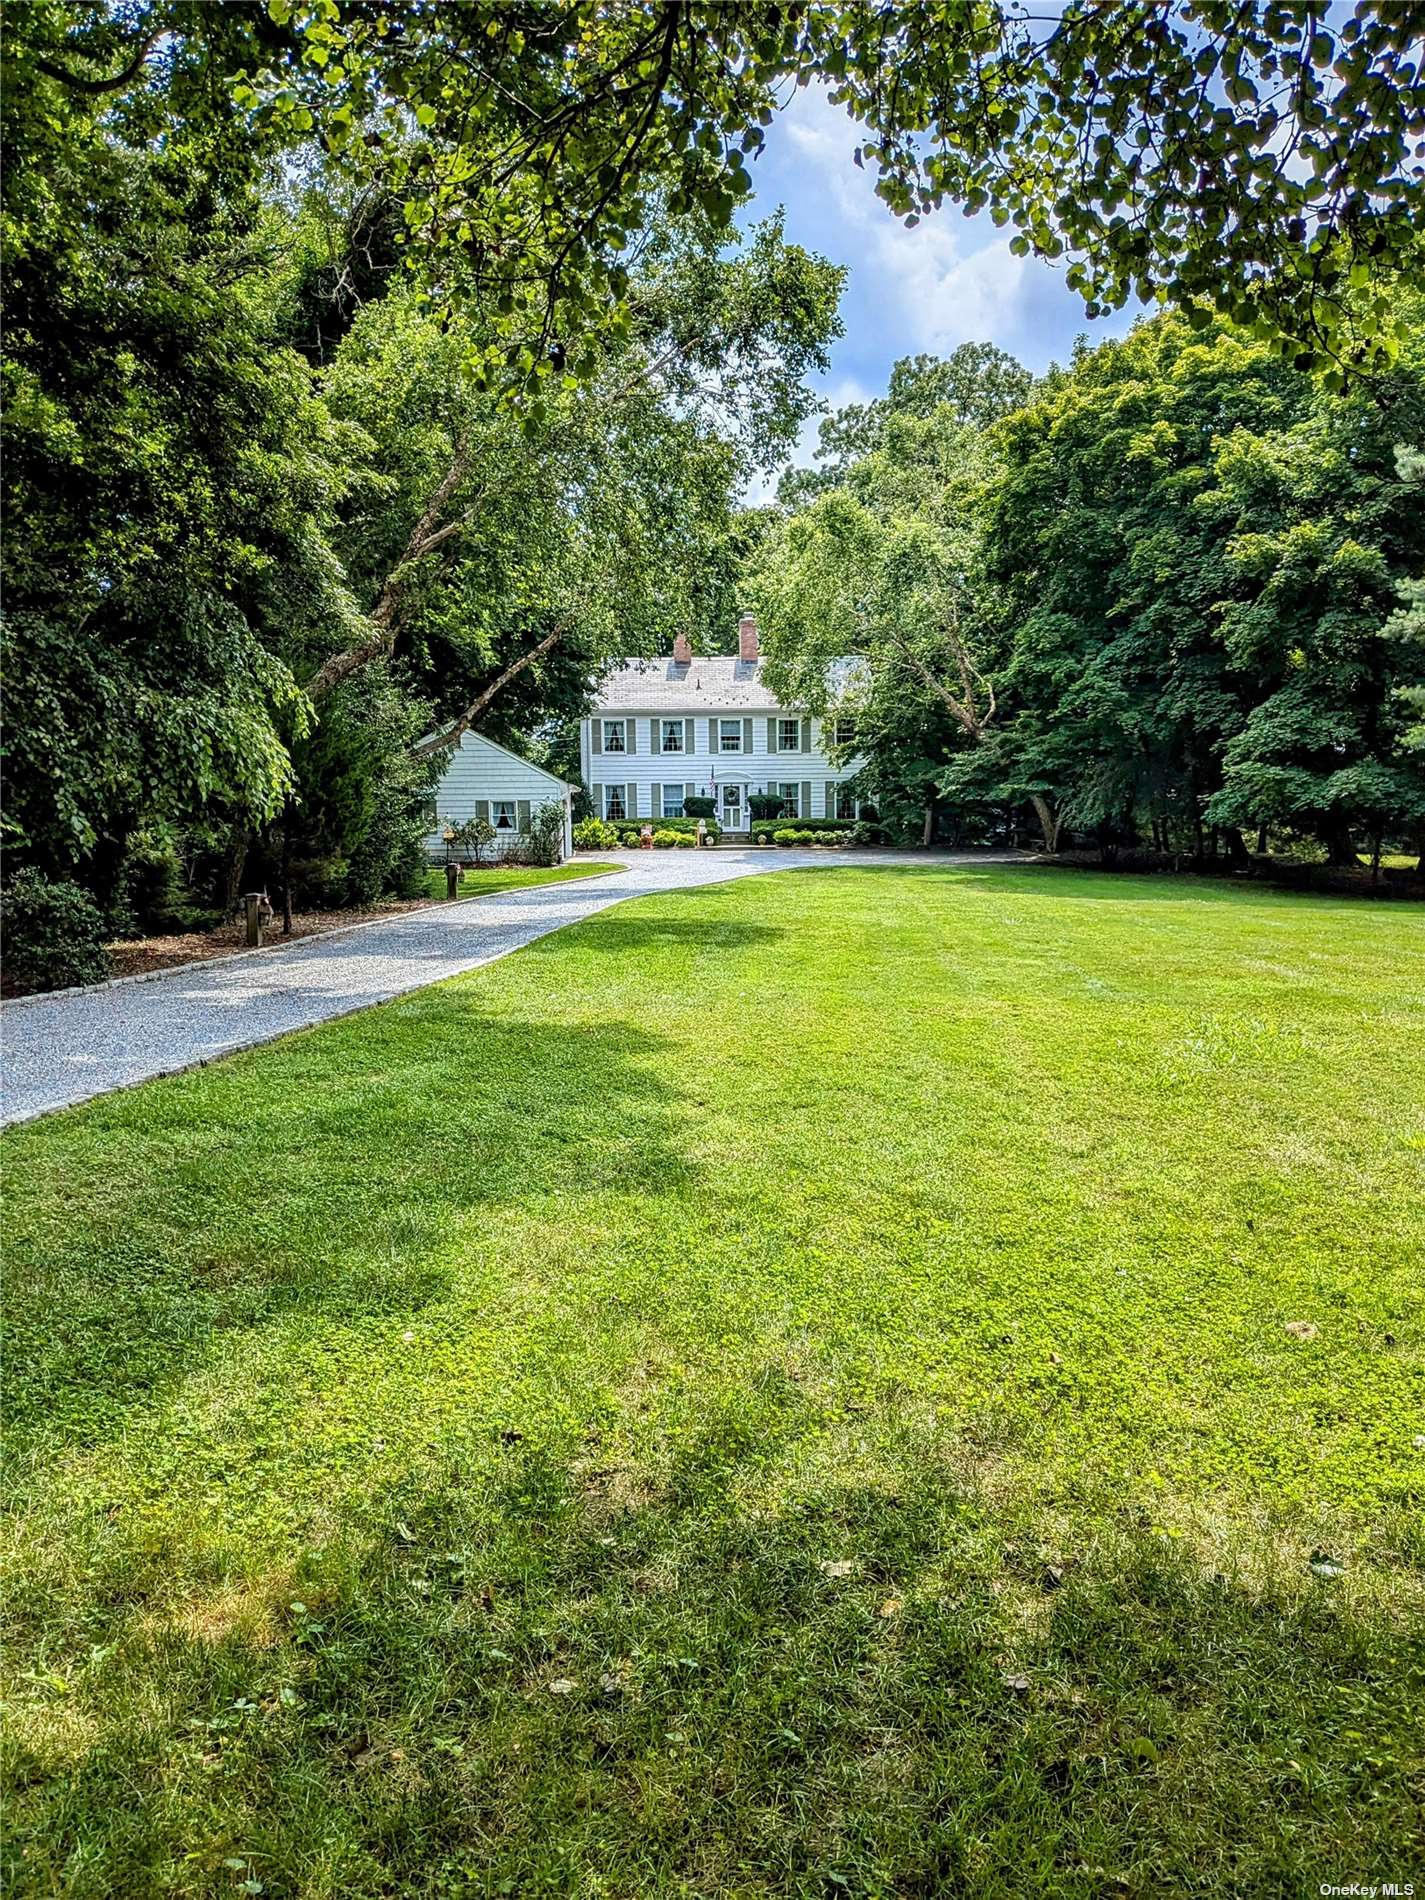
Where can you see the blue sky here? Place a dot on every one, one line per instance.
(950, 280)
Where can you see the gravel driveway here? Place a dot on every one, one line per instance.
(67, 1048)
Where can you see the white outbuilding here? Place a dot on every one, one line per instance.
(484, 780)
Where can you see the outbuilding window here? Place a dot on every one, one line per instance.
(503, 815)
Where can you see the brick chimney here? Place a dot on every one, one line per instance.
(682, 651)
(747, 639)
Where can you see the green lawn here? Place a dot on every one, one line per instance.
(486, 882)
(784, 1389)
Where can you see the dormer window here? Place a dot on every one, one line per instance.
(613, 735)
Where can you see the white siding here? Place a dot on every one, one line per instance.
(481, 770)
(756, 771)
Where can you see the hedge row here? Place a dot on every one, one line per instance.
(632, 826)
(819, 831)
(598, 834)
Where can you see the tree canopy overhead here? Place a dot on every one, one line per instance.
(1253, 156)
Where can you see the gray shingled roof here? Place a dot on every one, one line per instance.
(711, 685)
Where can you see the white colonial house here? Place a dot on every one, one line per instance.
(665, 730)
(483, 780)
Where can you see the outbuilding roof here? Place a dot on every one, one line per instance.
(478, 741)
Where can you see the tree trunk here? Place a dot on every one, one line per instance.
(1340, 847)
(106, 865)
(1236, 848)
(1262, 841)
(927, 834)
(237, 861)
(1048, 823)
(287, 869)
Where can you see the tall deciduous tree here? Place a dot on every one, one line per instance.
(492, 536)
(883, 570)
(170, 476)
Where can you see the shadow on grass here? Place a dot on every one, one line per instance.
(528, 1680)
(621, 931)
(1134, 887)
(330, 1174)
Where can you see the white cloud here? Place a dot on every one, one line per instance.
(936, 292)
(946, 281)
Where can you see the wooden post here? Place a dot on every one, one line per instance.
(452, 880)
(252, 905)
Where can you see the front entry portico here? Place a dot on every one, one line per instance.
(732, 806)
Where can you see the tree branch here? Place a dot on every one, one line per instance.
(78, 83)
(478, 705)
(424, 536)
(963, 710)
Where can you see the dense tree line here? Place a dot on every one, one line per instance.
(1169, 594)
(371, 371)
(273, 540)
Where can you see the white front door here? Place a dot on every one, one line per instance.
(734, 816)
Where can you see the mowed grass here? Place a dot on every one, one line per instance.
(489, 880)
(781, 1389)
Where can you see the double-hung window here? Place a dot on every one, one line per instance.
(845, 732)
(613, 802)
(729, 735)
(672, 801)
(672, 735)
(788, 796)
(613, 735)
(845, 803)
(503, 815)
(789, 735)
